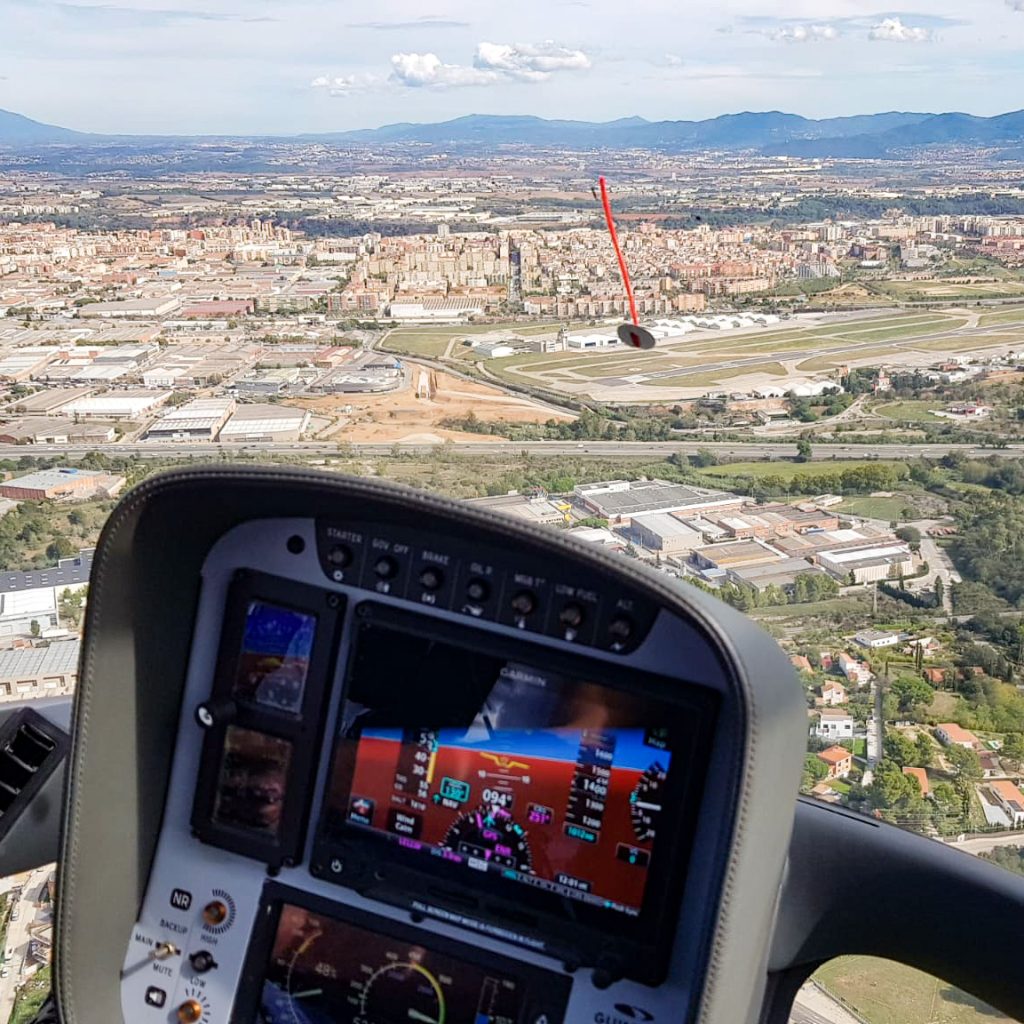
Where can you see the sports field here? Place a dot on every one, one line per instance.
(955, 288)
(914, 412)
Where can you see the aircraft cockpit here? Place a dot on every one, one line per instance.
(346, 753)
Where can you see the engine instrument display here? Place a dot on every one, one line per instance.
(504, 770)
(253, 780)
(323, 970)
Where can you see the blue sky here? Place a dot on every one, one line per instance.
(289, 66)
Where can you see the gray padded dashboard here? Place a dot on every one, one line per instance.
(163, 572)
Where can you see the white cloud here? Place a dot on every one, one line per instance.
(531, 62)
(493, 63)
(806, 33)
(673, 60)
(417, 70)
(894, 31)
(1017, 5)
(344, 85)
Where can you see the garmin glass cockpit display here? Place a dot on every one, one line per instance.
(525, 793)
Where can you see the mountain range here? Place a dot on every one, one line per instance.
(868, 136)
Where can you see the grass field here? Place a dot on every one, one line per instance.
(860, 747)
(966, 343)
(820, 609)
(418, 344)
(915, 412)
(791, 470)
(1007, 316)
(943, 705)
(903, 331)
(888, 509)
(31, 996)
(698, 380)
(834, 359)
(884, 992)
(953, 289)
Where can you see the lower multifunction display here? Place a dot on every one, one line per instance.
(326, 965)
(548, 792)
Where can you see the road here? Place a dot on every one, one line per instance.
(983, 844)
(938, 565)
(875, 731)
(815, 1006)
(749, 451)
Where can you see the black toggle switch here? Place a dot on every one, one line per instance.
(431, 579)
(620, 629)
(386, 567)
(202, 961)
(524, 603)
(340, 556)
(571, 616)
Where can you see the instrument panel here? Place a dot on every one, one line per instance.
(418, 780)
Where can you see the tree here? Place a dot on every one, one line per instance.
(34, 628)
(890, 786)
(964, 764)
(910, 534)
(1009, 857)
(924, 750)
(704, 457)
(815, 770)
(912, 691)
(60, 548)
(945, 796)
(803, 450)
(940, 591)
(966, 768)
(1013, 748)
(899, 749)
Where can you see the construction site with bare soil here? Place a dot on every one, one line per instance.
(417, 412)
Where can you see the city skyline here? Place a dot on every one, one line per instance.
(163, 66)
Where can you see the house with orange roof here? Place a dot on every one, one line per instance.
(800, 663)
(922, 779)
(838, 760)
(951, 734)
(1010, 799)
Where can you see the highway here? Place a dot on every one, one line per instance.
(752, 451)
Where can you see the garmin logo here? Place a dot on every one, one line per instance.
(521, 674)
(624, 1014)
